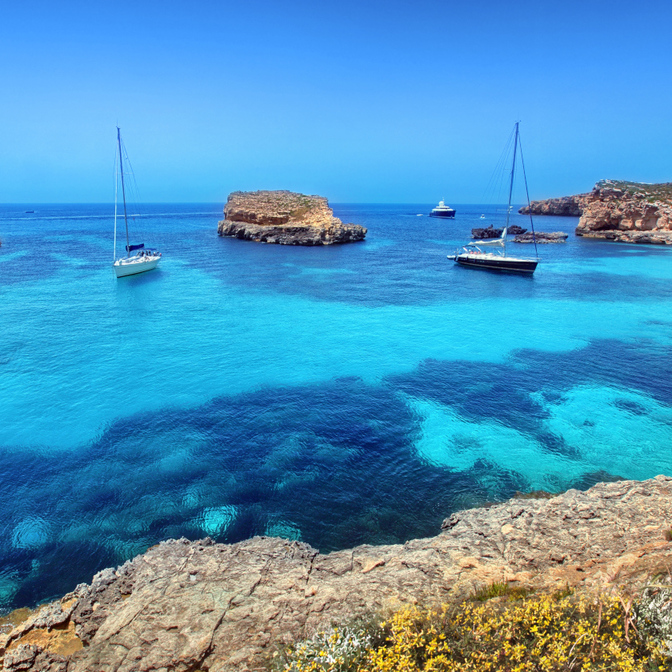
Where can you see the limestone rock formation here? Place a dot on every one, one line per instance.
(285, 218)
(628, 212)
(566, 206)
(185, 606)
(542, 237)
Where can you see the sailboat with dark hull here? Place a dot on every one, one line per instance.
(491, 254)
(138, 259)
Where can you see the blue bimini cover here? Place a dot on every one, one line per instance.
(130, 248)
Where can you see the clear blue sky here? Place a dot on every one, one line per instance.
(365, 101)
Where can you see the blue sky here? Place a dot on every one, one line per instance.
(357, 101)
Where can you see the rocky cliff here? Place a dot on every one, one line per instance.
(186, 606)
(629, 212)
(285, 218)
(566, 206)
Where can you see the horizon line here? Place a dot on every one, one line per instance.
(111, 203)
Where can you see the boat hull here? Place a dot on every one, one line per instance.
(123, 268)
(511, 265)
(448, 214)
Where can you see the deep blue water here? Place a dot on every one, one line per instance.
(338, 395)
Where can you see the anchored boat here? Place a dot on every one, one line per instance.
(494, 257)
(442, 210)
(497, 260)
(138, 258)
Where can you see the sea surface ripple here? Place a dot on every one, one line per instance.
(337, 395)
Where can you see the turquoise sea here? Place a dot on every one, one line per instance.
(338, 395)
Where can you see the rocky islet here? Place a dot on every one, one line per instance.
(492, 232)
(285, 218)
(521, 235)
(541, 237)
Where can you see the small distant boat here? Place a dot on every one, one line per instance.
(144, 258)
(442, 210)
(474, 256)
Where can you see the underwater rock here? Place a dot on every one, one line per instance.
(201, 605)
(285, 218)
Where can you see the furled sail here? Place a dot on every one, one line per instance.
(495, 242)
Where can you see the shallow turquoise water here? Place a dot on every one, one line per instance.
(338, 395)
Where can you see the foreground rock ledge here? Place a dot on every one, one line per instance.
(188, 606)
(285, 218)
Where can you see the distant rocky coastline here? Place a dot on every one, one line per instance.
(285, 218)
(566, 206)
(205, 606)
(628, 212)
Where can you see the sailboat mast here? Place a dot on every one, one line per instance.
(513, 170)
(123, 190)
(116, 198)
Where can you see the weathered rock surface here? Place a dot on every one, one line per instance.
(285, 218)
(185, 606)
(515, 230)
(628, 212)
(566, 206)
(491, 232)
(542, 237)
(485, 233)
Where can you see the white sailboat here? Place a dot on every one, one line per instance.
(138, 258)
(473, 256)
